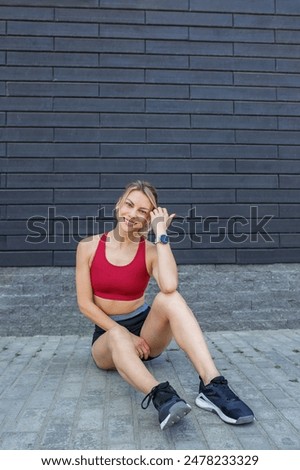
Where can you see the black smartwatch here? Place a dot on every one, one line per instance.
(164, 239)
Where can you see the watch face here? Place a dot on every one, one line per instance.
(164, 239)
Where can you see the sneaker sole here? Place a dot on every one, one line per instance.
(177, 412)
(205, 404)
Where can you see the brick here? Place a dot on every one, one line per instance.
(231, 35)
(289, 210)
(26, 73)
(179, 181)
(290, 241)
(187, 76)
(99, 15)
(52, 58)
(25, 135)
(53, 150)
(144, 90)
(264, 137)
(288, 65)
(268, 166)
(97, 74)
(51, 89)
(17, 258)
(234, 122)
(144, 4)
(192, 136)
(266, 79)
(144, 31)
(267, 50)
(187, 47)
(53, 119)
(189, 106)
(287, 151)
(145, 150)
(235, 6)
(99, 135)
(100, 45)
(16, 43)
(266, 21)
(28, 165)
(249, 150)
(145, 120)
(25, 196)
(57, 3)
(235, 181)
(25, 104)
(101, 165)
(41, 180)
(266, 108)
(289, 181)
(34, 28)
(290, 7)
(29, 13)
(197, 195)
(188, 18)
(144, 61)
(232, 63)
(191, 165)
(233, 93)
(99, 105)
(289, 123)
(268, 195)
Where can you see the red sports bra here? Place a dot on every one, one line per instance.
(113, 282)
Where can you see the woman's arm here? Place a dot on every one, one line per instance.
(164, 268)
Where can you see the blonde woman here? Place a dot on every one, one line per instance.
(112, 273)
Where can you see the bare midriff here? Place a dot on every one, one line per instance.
(118, 307)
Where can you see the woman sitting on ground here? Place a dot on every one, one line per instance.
(112, 273)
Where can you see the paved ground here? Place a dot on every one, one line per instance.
(53, 397)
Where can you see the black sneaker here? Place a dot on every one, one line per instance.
(219, 398)
(171, 408)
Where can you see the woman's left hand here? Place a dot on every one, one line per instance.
(160, 220)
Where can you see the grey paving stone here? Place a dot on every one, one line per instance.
(53, 396)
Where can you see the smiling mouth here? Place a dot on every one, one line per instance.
(128, 222)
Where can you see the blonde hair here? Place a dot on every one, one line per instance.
(146, 188)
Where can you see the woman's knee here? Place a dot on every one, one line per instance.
(168, 300)
(116, 336)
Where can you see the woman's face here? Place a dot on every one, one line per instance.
(134, 212)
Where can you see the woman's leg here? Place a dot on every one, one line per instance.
(170, 315)
(115, 350)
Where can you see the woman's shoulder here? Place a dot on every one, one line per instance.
(88, 245)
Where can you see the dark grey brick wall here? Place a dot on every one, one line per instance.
(201, 98)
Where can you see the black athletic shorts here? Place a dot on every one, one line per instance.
(133, 321)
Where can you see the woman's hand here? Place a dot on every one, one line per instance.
(160, 220)
(141, 346)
